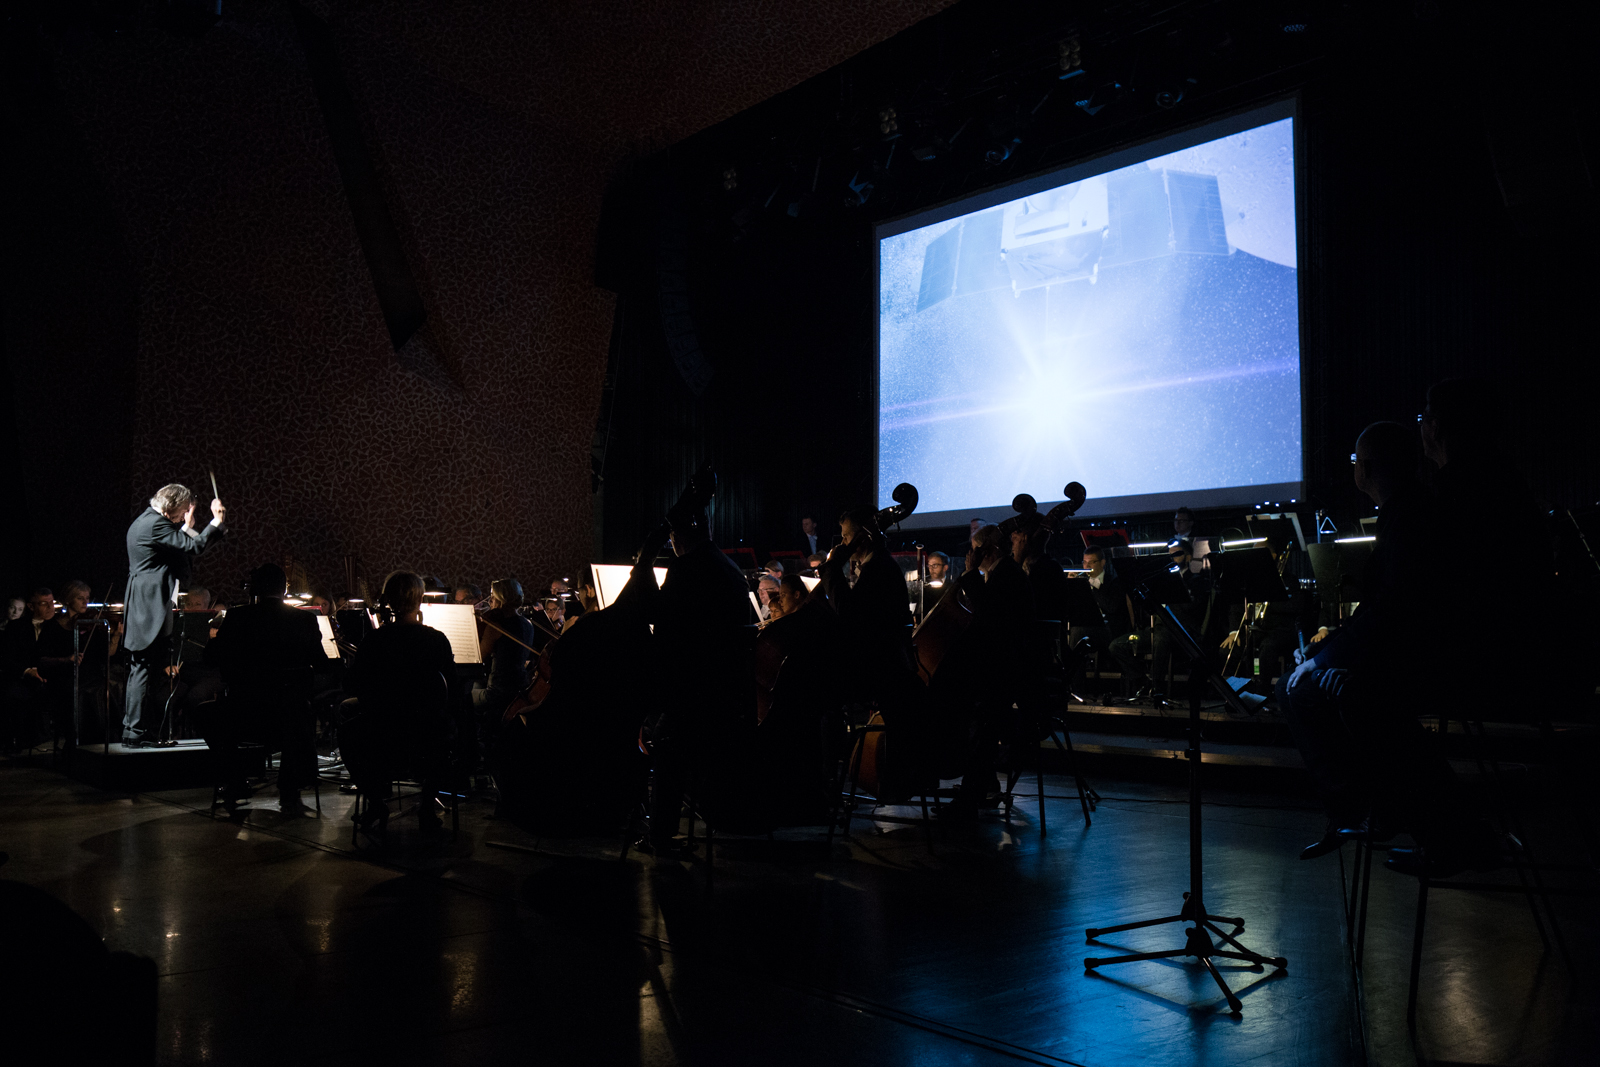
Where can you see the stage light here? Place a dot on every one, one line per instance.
(1070, 52)
(730, 180)
(1149, 544)
(888, 124)
(1353, 540)
(1246, 541)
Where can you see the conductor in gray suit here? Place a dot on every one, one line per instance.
(162, 542)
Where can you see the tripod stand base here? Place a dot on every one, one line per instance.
(1197, 943)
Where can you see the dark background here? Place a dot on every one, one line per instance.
(410, 275)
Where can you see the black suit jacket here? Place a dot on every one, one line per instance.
(256, 643)
(159, 556)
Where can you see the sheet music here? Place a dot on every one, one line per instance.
(330, 647)
(610, 578)
(810, 583)
(459, 623)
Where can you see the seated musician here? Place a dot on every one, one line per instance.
(266, 652)
(766, 591)
(1353, 706)
(792, 594)
(466, 594)
(1192, 614)
(774, 567)
(555, 614)
(96, 645)
(1111, 597)
(398, 720)
(571, 604)
(507, 646)
(992, 665)
(38, 670)
(814, 564)
(939, 581)
(197, 680)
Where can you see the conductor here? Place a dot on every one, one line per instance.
(160, 551)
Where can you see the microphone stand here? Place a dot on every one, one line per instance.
(1198, 937)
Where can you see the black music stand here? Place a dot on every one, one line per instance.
(1250, 575)
(1197, 938)
(1338, 570)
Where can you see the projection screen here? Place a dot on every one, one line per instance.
(1132, 323)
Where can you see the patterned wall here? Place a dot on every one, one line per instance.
(261, 350)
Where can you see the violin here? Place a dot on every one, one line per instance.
(538, 691)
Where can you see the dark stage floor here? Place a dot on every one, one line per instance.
(276, 942)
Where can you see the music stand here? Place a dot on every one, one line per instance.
(1251, 575)
(1197, 938)
(1338, 570)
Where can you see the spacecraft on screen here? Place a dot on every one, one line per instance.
(1074, 232)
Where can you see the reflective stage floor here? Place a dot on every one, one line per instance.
(277, 942)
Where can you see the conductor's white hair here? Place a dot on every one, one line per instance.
(171, 498)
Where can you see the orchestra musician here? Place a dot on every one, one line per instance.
(1192, 614)
(1274, 635)
(95, 647)
(1111, 597)
(1029, 539)
(385, 728)
(38, 668)
(700, 615)
(160, 552)
(809, 534)
(266, 652)
(507, 642)
(867, 591)
(1353, 705)
(993, 664)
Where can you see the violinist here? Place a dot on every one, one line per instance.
(766, 592)
(507, 643)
